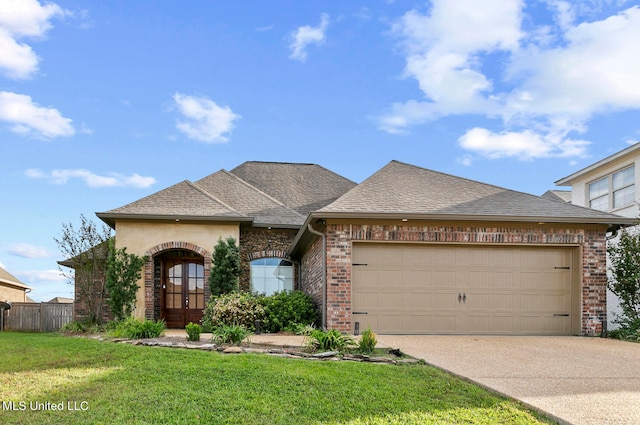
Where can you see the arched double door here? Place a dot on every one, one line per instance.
(182, 295)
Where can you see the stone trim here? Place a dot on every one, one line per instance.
(269, 253)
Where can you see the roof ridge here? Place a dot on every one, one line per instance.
(204, 192)
(249, 185)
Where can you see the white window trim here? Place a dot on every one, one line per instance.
(610, 191)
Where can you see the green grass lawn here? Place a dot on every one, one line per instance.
(124, 384)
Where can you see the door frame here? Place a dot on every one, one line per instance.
(186, 314)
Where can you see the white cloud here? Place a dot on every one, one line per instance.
(26, 250)
(550, 81)
(28, 118)
(30, 276)
(526, 144)
(306, 35)
(91, 179)
(23, 19)
(203, 119)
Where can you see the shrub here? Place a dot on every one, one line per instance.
(193, 331)
(223, 278)
(74, 327)
(230, 334)
(629, 331)
(136, 329)
(368, 341)
(288, 310)
(331, 340)
(236, 308)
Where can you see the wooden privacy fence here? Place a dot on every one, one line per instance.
(37, 317)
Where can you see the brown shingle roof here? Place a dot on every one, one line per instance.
(9, 279)
(302, 187)
(249, 200)
(400, 188)
(180, 200)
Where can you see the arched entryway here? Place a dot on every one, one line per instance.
(176, 284)
(182, 291)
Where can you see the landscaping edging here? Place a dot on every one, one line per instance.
(286, 352)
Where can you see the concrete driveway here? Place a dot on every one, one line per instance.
(576, 380)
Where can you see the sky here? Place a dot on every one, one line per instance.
(105, 102)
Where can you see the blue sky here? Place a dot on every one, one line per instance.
(102, 103)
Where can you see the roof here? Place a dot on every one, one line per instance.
(180, 201)
(566, 181)
(302, 187)
(249, 200)
(61, 300)
(7, 278)
(408, 191)
(558, 195)
(264, 193)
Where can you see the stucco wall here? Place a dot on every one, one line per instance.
(12, 295)
(142, 237)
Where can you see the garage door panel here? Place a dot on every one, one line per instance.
(509, 290)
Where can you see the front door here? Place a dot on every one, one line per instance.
(182, 292)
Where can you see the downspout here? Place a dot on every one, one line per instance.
(324, 274)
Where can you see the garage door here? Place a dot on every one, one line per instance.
(455, 289)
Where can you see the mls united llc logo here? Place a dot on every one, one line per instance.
(45, 405)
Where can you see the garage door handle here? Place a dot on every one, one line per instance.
(360, 312)
(462, 298)
(561, 315)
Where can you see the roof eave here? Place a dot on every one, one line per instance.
(566, 181)
(474, 217)
(16, 285)
(319, 215)
(110, 218)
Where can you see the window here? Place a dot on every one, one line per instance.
(270, 275)
(614, 191)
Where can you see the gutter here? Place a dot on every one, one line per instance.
(324, 274)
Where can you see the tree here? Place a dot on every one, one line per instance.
(123, 273)
(86, 249)
(226, 267)
(624, 280)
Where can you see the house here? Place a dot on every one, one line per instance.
(260, 204)
(61, 300)
(409, 250)
(11, 289)
(608, 185)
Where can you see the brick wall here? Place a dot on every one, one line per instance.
(311, 276)
(339, 250)
(262, 243)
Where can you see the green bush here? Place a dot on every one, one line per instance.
(236, 308)
(288, 311)
(629, 331)
(230, 334)
(74, 327)
(368, 341)
(136, 329)
(193, 331)
(331, 340)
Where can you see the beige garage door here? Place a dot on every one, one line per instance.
(456, 289)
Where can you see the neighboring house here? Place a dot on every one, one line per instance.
(407, 251)
(609, 185)
(61, 300)
(11, 289)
